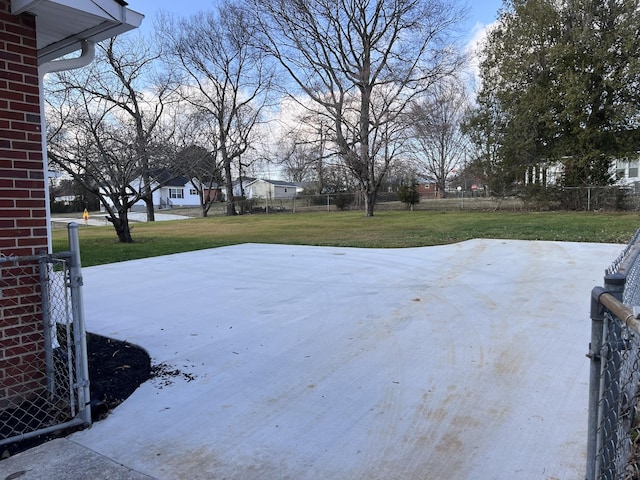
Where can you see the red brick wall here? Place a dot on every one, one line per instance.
(23, 219)
(428, 190)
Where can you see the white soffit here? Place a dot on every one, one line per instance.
(62, 24)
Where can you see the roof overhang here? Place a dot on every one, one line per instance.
(62, 25)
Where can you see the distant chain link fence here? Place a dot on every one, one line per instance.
(607, 198)
(44, 376)
(613, 444)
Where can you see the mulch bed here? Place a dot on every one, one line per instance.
(116, 369)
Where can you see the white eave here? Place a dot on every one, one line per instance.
(62, 25)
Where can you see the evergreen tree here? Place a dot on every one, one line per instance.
(560, 84)
(409, 195)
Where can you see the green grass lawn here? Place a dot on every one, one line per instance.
(390, 229)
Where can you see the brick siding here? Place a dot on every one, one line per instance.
(23, 216)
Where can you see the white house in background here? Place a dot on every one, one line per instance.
(626, 172)
(176, 192)
(544, 173)
(255, 188)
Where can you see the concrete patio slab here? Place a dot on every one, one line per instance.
(463, 361)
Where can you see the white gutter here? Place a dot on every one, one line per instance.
(87, 55)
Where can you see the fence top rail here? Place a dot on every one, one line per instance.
(17, 259)
(627, 257)
(33, 258)
(620, 310)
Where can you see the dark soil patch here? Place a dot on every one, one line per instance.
(116, 369)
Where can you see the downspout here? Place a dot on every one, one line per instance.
(87, 55)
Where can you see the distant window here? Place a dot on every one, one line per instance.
(633, 168)
(621, 169)
(176, 193)
(193, 191)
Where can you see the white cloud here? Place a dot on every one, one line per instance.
(474, 46)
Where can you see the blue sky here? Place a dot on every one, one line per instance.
(481, 12)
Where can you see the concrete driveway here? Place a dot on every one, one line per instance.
(464, 361)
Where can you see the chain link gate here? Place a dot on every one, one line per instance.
(613, 442)
(45, 377)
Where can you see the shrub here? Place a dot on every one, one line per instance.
(343, 201)
(408, 194)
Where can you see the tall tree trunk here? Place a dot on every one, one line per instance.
(369, 202)
(231, 204)
(121, 225)
(148, 201)
(204, 209)
(441, 184)
(146, 185)
(366, 163)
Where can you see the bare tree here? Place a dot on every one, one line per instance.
(302, 148)
(205, 175)
(436, 127)
(361, 62)
(296, 159)
(108, 132)
(197, 154)
(225, 77)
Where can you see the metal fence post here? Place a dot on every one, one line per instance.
(614, 284)
(49, 331)
(597, 319)
(80, 336)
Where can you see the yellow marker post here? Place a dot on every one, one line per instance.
(85, 215)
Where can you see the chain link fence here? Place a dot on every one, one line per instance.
(613, 443)
(44, 375)
(533, 197)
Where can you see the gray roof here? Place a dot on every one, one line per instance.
(281, 183)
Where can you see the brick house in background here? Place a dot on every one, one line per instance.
(427, 188)
(33, 34)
